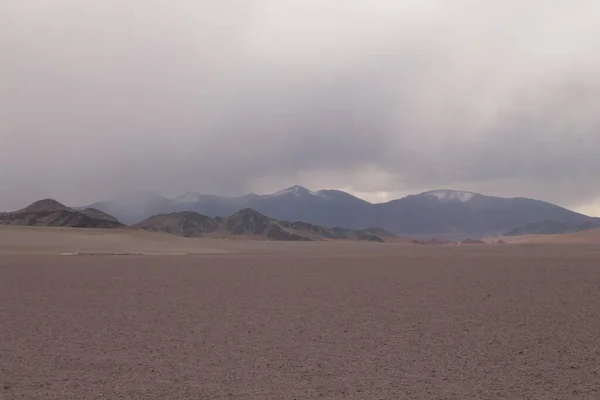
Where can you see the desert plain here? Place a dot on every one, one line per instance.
(93, 314)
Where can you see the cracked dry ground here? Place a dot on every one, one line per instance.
(407, 322)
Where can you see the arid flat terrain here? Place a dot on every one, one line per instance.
(263, 320)
(589, 237)
(27, 240)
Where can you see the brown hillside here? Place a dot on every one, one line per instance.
(43, 205)
(186, 223)
(49, 212)
(249, 223)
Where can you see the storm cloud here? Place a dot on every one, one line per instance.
(380, 98)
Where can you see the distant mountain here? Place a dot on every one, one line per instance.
(449, 214)
(470, 214)
(552, 228)
(325, 207)
(50, 212)
(248, 222)
(329, 208)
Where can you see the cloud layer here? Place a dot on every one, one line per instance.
(381, 98)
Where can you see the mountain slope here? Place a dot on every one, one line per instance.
(252, 223)
(465, 213)
(328, 208)
(50, 212)
(325, 207)
(248, 222)
(185, 223)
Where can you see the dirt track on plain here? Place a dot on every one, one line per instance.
(380, 322)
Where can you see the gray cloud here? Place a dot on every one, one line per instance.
(104, 98)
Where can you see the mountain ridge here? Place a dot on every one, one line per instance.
(449, 213)
(250, 223)
(246, 223)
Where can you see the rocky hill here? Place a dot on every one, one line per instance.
(250, 223)
(185, 223)
(50, 212)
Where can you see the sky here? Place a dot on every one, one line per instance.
(381, 98)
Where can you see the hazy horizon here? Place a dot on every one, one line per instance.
(380, 99)
(374, 198)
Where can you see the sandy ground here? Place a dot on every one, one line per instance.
(589, 237)
(15, 240)
(40, 241)
(329, 321)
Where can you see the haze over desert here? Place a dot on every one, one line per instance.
(300, 199)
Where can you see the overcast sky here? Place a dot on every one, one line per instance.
(377, 97)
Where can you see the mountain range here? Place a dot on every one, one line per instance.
(246, 223)
(249, 223)
(437, 213)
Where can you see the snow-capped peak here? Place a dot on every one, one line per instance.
(451, 195)
(297, 191)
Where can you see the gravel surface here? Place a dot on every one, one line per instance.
(412, 322)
